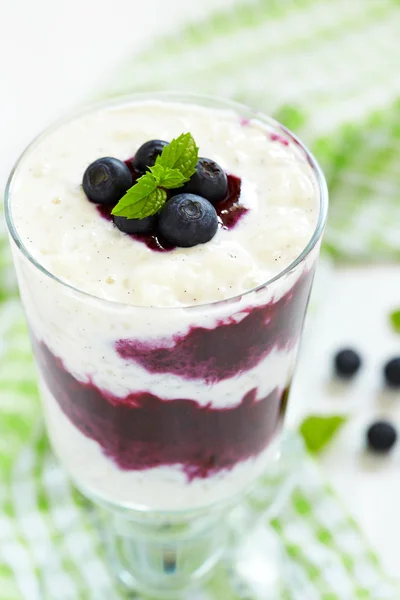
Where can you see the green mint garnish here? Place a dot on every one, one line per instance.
(182, 154)
(395, 320)
(167, 177)
(175, 165)
(317, 431)
(131, 205)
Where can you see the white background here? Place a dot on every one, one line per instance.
(53, 54)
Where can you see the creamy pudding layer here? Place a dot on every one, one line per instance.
(62, 230)
(179, 401)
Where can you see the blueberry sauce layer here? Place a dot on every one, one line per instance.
(232, 347)
(142, 431)
(229, 212)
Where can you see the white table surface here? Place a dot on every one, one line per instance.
(353, 311)
(53, 54)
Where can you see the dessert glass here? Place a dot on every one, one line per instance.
(166, 469)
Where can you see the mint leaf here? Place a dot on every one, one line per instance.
(141, 200)
(158, 172)
(149, 205)
(182, 154)
(395, 320)
(175, 165)
(317, 431)
(168, 178)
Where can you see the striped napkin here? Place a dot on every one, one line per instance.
(328, 70)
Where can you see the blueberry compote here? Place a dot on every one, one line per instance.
(142, 430)
(233, 346)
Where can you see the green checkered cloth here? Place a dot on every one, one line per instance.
(328, 70)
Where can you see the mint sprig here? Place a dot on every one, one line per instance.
(130, 204)
(175, 165)
(166, 177)
(181, 154)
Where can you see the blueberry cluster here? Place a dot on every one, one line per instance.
(381, 435)
(188, 217)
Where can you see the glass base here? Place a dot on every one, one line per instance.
(162, 554)
(170, 555)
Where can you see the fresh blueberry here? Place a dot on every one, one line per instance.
(146, 225)
(381, 436)
(392, 372)
(146, 156)
(209, 181)
(187, 220)
(347, 363)
(106, 180)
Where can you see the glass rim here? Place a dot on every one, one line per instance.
(189, 98)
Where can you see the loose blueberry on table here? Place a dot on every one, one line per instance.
(347, 362)
(165, 191)
(381, 436)
(392, 372)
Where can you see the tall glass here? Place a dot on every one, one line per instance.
(165, 416)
